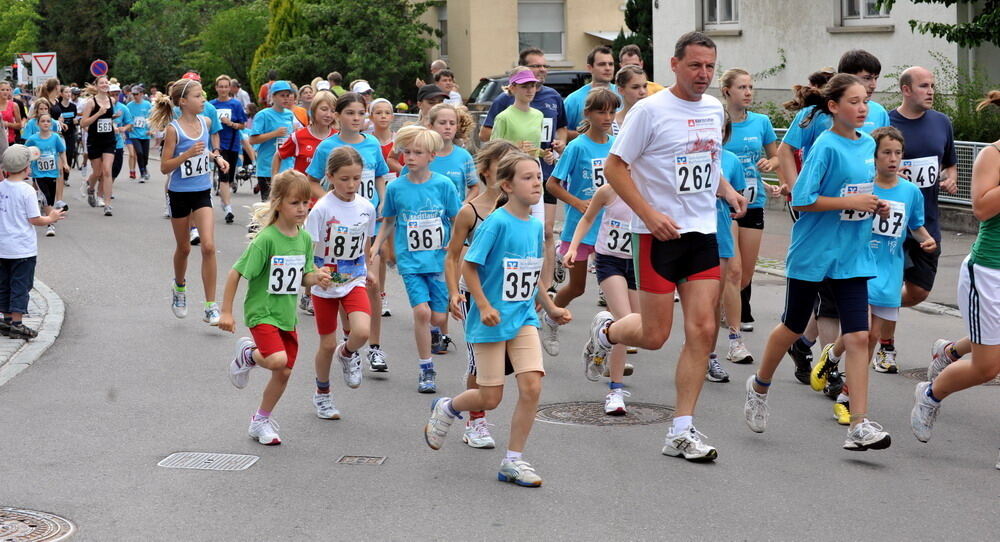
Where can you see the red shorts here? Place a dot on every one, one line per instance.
(662, 265)
(271, 340)
(327, 308)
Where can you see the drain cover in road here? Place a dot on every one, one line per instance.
(361, 459)
(19, 525)
(592, 413)
(208, 461)
(921, 374)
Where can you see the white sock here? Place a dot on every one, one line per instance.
(834, 357)
(681, 424)
(602, 337)
(512, 456)
(842, 398)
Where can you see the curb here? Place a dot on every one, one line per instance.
(48, 331)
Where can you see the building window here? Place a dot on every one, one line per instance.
(442, 13)
(862, 12)
(717, 14)
(542, 23)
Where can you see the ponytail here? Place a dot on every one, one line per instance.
(992, 98)
(832, 92)
(161, 114)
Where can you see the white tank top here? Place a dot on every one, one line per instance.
(614, 238)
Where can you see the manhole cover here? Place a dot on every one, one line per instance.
(921, 374)
(361, 459)
(592, 413)
(208, 461)
(19, 525)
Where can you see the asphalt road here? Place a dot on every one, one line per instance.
(127, 384)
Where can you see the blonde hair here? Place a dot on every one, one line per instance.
(320, 98)
(491, 153)
(421, 137)
(463, 120)
(287, 184)
(992, 98)
(163, 108)
(39, 101)
(728, 79)
(432, 115)
(341, 157)
(507, 170)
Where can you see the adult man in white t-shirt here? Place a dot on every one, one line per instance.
(665, 164)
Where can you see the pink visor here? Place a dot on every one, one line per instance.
(525, 76)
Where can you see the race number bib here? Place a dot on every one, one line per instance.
(195, 166)
(892, 226)
(922, 172)
(750, 192)
(346, 242)
(140, 123)
(278, 142)
(286, 274)
(46, 162)
(105, 126)
(548, 130)
(619, 238)
(367, 187)
(693, 173)
(520, 276)
(424, 234)
(852, 215)
(389, 177)
(597, 172)
(224, 114)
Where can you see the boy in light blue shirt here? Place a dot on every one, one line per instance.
(271, 127)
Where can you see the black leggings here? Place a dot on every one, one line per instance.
(851, 296)
(116, 165)
(232, 157)
(141, 149)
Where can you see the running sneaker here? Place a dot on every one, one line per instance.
(802, 356)
(842, 412)
(593, 350)
(559, 272)
(817, 378)
(426, 381)
(194, 237)
(351, 367)
(437, 426)
(689, 445)
(385, 305)
(601, 300)
(715, 371)
(550, 336)
(614, 402)
(594, 367)
(324, 406)
(306, 304)
(50, 231)
(631, 350)
(178, 302)
(212, 314)
(834, 384)
(629, 369)
(230, 217)
(755, 408)
(91, 195)
(867, 435)
(144, 177)
(239, 367)
(21, 331)
(884, 360)
(376, 360)
(738, 352)
(100, 202)
(925, 411)
(264, 431)
(4, 327)
(939, 358)
(108, 211)
(746, 327)
(441, 344)
(477, 434)
(131, 175)
(520, 472)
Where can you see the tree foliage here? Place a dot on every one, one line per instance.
(284, 25)
(984, 27)
(228, 42)
(18, 28)
(78, 31)
(638, 19)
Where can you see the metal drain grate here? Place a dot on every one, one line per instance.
(361, 459)
(592, 413)
(20, 525)
(921, 375)
(208, 461)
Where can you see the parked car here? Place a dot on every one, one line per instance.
(563, 81)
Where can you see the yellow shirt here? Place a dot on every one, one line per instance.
(652, 87)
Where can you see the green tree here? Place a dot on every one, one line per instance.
(228, 42)
(984, 27)
(18, 28)
(285, 23)
(638, 19)
(78, 31)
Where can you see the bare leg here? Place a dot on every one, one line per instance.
(698, 301)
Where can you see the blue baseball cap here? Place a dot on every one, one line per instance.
(279, 86)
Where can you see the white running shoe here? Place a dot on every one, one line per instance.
(715, 372)
(688, 444)
(925, 411)
(324, 406)
(178, 302)
(108, 211)
(351, 367)
(265, 431)
(477, 434)
(212, 314)
(746, 327)
(550, 336)
(738, 352)
(194, 238)
(884, 361)
(519, 472)
(437, 426)
(376, 360)
(594, 353)
(867, 435)
(614, 402)
(755, 408)
(939, 359)
(306, 304)
(385, 305)
(50, 231)
(239, 367)
(100, 201)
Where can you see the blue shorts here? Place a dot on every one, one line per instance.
(427, 288)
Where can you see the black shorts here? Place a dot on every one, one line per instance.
(753, 220)
(613, 266)
(47, 185)
(232, 157)
(920, 268)
(548, 198)
(96, 149)
(851, 297)
(661, 265)
(183, 204)
(826, 301)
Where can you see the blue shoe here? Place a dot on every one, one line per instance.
(426, 383)
(439, 343)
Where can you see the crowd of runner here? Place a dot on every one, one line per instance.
(661, 193)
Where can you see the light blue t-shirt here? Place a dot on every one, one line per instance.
(833, 244)
(31, 128)
(123, 120)
(422, 214)
(508, 252)
(47, 165)
(907, 213)
(457, 166)
(371, 154)
(575, 102)
(747, 141)
(140, 119)
(732, 171)
(805, 138)
(208, 112)
(269, 120)
(581, 171)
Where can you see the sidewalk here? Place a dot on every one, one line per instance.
(46, 311)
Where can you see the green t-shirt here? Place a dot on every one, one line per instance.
(274, 265)
(516, 126)
(986, 249)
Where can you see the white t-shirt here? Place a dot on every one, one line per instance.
(18, 203)
(674, 149)
(454, 98)
(341, 229)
